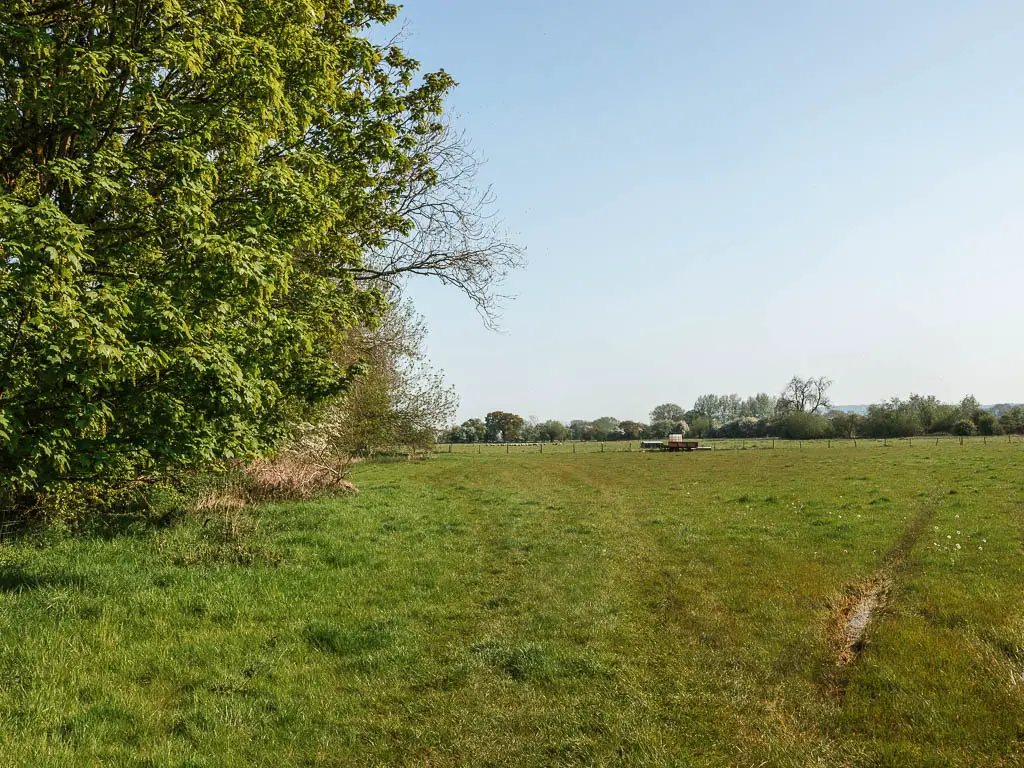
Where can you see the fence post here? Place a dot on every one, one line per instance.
(773, 443)
(830, 443)
(574, 447)
(507, 447)
(602, 447)
(961, 440)
(854, 442)
(542, 447)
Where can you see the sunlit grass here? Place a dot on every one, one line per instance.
(623, 608)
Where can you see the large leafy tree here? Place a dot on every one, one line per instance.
(504, 427)
(187, 192)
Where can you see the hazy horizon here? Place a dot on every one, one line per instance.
(717, 197)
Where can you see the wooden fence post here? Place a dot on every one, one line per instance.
(507, 447)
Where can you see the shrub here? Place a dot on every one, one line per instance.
(800, 425)
(965, 428)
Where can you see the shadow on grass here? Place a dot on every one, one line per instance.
(14, 579)
(122, 515)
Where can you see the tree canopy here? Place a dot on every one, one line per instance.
(187, 193)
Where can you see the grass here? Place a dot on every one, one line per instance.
(622, 608)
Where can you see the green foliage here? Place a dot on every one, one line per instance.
(745, 426)
(848, 425)
(965, 428)
(803, 425)
(1012, 420)
(604, 428)
(470, 431)
(186, 190)
(551, 431)
(667, 412)
(986, 423)
(503, 427)
(896, 418)
(632, 430)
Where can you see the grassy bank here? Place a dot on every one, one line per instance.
(622, 608)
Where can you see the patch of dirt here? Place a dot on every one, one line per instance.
(849, 621)
(855, 614)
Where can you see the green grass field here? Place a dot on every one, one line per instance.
(557, 609)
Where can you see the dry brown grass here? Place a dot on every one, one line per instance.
(284, 478)
(290, 478)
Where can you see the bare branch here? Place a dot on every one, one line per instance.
(450, 231)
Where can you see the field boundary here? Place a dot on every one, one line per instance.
(726, 444)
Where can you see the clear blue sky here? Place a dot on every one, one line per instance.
(717, 195)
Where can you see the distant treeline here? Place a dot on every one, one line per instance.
(802, 412)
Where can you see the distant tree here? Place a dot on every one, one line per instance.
(667, 412)
(968, 406)
(529, 432)
(632, 430)
(805, 425)
(503, 427)
(700, 425)
(745, 426)
(1001, 409)
(659, 430)
(578, 428)
(719, 408)
(894, 418)
(848, 425)
(986, 423)
(1012, 420)
(809, 395)
(470, 431)
(604, 428)
(706, 405)
(552, 431)
(965, 428)
(730, 408)
(759, 406)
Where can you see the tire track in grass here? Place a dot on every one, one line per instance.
(850, 622)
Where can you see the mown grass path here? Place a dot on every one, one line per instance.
(616, 609)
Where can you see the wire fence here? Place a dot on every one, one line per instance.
(726, 444)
